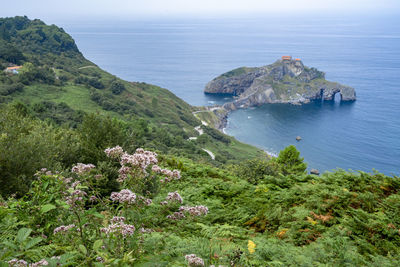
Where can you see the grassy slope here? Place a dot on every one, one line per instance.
(139, 100)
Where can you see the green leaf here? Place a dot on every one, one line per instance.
(98, 215)
(97, 244)
(63, 204)
(23, 234)
(47, 208)
(10, 245)
(33, 242)
(45, 185)
(82, 249)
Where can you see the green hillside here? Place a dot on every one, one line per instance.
(55, 78)
(78, 189)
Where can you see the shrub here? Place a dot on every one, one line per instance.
(117, 87)
(290, 161)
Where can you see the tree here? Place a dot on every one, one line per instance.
(27, 145)
(290, 161)
(117, 87)
(97, 133)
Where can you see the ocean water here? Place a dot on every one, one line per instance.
(183, 55)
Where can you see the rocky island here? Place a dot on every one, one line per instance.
(285, 81)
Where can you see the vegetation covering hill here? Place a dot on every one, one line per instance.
(126, 206)
(57, 84)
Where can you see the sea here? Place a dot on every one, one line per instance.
(184, 54)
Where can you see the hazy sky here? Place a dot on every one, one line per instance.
(138, 8)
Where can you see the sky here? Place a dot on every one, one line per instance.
(201, 8)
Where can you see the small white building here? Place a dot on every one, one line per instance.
(13, 70)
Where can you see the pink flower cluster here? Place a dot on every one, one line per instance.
(117, 219)
(176, 216)
(193, 260)
(170, 175)
(81, 168)
(42, 262)
(140, 158)
(17, 263)
(125, 196)
(22, 263)
(194, 211)
(174, 196)
(118, 226)
(145, 201)
(75, 197)
(63, 228)
(145, 230)
(114, 152)
(139, 161)
(43, 171)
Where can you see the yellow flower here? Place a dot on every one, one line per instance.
(310, 220)
(251, 247)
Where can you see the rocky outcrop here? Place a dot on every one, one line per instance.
(285, 81)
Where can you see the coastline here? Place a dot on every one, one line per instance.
(224, 125)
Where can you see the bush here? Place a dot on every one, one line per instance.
(290, 161)
(28, 145)
(255, 170)
(117, 87)
(8, 89)
(96, 83)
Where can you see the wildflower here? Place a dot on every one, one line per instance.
(114, 152)
(75, 197)
(140, 158)
(156, 169)
(75, 184)
(163, 203)
(42, 262)
(124, 196)
(176, 216)
(176, 174)
(194, 211)
(99, 259)
(118, 226)
(174, 196)
(92, 198)
(123, 173)
(145, 201)
(17, 263)
(145, 231)
(63, 228)
(193, 260)
(117, 219)
(251, 246)
(67, 180)
(81, 168)
(170, 175)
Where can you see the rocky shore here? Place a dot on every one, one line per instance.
(285, 81)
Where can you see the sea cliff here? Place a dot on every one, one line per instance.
(285, 81)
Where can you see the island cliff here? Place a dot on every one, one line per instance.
(285, 81)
